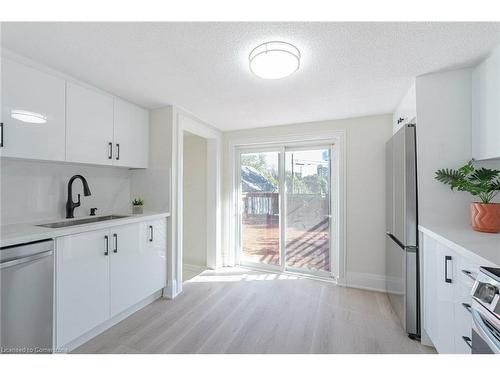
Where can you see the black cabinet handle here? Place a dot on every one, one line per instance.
(110, 150)
(106, 251)
(468, 274)
(115, 250)
(1, 134)
(446, 259)
(468, 341)
(150, 233)
(467, 307)
(117, 151)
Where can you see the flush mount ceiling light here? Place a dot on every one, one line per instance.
(274, 60)
(27, 116)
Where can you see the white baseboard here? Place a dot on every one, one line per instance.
(193, 267)
(368, 281)
(107, 324)
(171, 291)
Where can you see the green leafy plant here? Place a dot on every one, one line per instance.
(483, 183)
(138, 202)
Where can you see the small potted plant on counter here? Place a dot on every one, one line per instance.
(138, 206)
(482, 183)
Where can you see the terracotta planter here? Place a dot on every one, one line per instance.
(485, 217)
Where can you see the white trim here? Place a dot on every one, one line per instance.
(299, 275)
(185, 122)
(337, 137)
(171, 291)
(194, 267)
(368, 281)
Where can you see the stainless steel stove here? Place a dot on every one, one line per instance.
(486, 312)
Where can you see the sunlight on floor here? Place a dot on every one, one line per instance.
(238, 274)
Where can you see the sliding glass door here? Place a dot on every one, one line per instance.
(285, 209)
(260, 208)
(307, 212)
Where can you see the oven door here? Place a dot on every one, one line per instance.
(485, 336)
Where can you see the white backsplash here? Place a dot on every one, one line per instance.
(34, 190)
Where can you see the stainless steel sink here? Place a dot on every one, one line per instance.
(89, 220)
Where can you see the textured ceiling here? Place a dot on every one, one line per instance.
(347, 69)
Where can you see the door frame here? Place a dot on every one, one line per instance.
(184, 122)
(337, 183)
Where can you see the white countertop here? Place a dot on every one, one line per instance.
(13, 234)
(463, 238)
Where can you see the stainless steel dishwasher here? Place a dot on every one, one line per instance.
(26, 282)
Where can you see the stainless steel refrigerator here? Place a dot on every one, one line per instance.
(402, 255)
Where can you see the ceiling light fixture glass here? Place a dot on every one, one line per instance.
(27, 116)
(274, 60)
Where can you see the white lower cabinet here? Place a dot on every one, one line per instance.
(155, 255)
(100, 274)
(126, 267)
(82, 284)
(446, 296)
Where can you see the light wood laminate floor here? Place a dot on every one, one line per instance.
(241, 311)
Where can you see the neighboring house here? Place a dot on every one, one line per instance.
(252, 180)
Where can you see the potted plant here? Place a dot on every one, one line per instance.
(137, 206)
(482, 183)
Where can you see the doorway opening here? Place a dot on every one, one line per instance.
(288, 208)
(194, 255)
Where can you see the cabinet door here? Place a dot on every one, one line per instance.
(486, 108)
(467, 271)
(82, 284)
(89, 125)
(131, 135)
(155, 236)
(33, 113)
(127, 267)
(439, 283)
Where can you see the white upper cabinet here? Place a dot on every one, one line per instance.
(131, 135)
(89, 125)
(45, 117)
(406, 112)
(33, 113)
(486, 108)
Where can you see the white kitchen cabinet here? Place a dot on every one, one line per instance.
(82, 284)
(138, 262)
(89, 125)
(33, 113)
(127, 264)
(486, 108)
(406, 111)
(447, 284)
(155, 255)
(131, 135)
(100, 274)
(439, 272)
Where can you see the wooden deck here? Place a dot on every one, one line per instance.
(306, 248)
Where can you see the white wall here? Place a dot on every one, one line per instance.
(33, 190)
(365, 189)
(195, 201)
(443, 141)
(444, 112)
(153, 183)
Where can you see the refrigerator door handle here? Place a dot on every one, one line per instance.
(399, 243)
